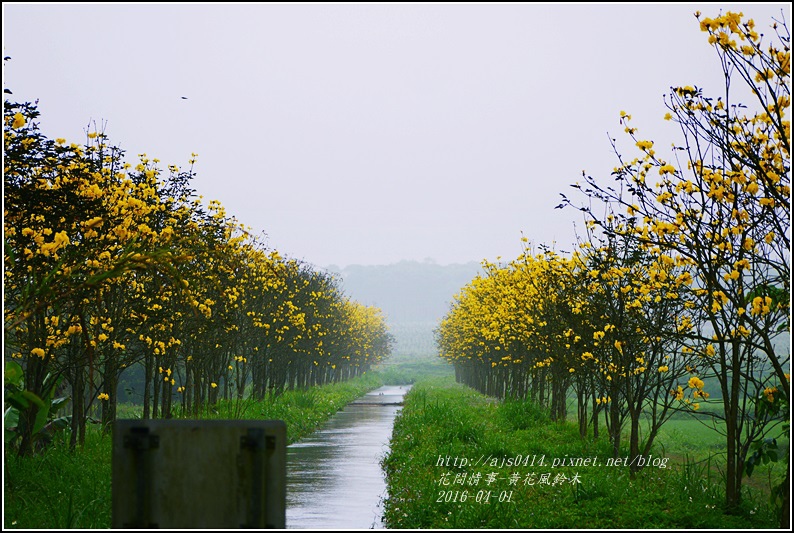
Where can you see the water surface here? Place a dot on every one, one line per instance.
(334, 478)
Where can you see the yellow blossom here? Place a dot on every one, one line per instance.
(769, 392)
(695, 383)
(19, 121)
(667, 169)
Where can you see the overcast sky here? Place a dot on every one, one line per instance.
(369, 134)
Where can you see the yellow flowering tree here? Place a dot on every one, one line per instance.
(505, 332)
(635, 317)
(70, 229)
(112, 269)
(720, 209)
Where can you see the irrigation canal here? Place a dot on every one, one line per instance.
(334, 478)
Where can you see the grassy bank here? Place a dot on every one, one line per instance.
(60, 489)
(444, 425)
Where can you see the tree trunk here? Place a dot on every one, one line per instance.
(147, 386)
(111, 386)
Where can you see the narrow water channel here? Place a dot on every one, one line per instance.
(334, 479)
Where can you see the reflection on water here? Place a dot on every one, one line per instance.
(334, 479)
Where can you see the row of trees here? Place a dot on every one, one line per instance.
(108, 266)
(682, 274)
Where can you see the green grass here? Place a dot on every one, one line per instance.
(61, 489)
(302, 410)
(443, 419)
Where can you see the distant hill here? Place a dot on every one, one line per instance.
(408, 291)
(414, 295)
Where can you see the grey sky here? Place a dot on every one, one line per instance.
(367, 134)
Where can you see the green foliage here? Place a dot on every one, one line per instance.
(17, 399)
(442, 419)
(766, 450)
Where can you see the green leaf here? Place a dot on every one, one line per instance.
(11, 418)
(58, 403)
(42, 415)
(10, 423)
(749, 465)
(62, 422)
(13, 373)
(51, 382)
(9, 436)
(17, 401)
(32, 398)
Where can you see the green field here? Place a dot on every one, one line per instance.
(444, 424)
(406, 369)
